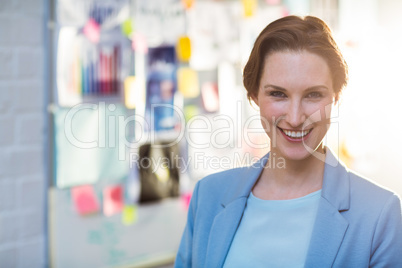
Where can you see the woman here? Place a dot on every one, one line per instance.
(312, 213)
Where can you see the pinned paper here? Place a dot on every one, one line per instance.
(249, 7)
(127, 27)
(285, 12)
(190, 111)
(112, 200)
(129, 215)
(139, 43)
(187, 80)
(185, 199)
(92, 31)
(129, 92)
(273, 2)
(183, 49)
(85, 200)
(210, 97)
(187, 3)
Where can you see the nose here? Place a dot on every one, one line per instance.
(295, 114)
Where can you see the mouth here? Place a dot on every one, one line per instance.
(295, 135)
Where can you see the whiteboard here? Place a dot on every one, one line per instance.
(100, 241)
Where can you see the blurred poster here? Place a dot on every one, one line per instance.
(161, 86)
(106, 13)
(90, 144)
(161, 21)
(213, 27)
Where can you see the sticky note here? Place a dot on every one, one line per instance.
(210, 96)
(139, 43)
(273, 2)
(129, 215)
(183, 49)
(92, 31)
(187, 3)
(249, 7)
(185, 199)
(127, 27)
(85, 200)
(112, 200)
(285, 12)
(129, 92)
(190, 111)
(187, 82)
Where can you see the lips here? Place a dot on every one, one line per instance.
(295, 135)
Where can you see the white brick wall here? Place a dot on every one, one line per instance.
(22, 134)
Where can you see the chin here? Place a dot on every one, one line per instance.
(296, 153)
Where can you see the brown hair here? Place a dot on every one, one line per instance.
(295, 33)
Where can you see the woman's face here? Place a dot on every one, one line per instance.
(295, 99)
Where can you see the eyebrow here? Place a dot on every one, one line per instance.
(284, 89)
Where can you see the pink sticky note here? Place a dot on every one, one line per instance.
(85, 200)
(285, 12)
(112, 200)
(185, 199)
(210, 96)
(92, 31)
(139, 43)
(273, 2)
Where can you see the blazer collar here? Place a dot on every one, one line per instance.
(330, 226)
(226, 222)
(248, 176)
(335, 188)
(334, 198)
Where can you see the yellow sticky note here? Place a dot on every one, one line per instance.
(127, 27)
(183, 49)
(129, 215)
(187, 82)
(190, 111)
(129, 92)
(187, 3)
(249, 7)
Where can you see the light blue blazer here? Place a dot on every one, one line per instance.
(358, 223)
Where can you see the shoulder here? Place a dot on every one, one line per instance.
(369, 191)
(217, 184)
(223, 177)
(371, 198)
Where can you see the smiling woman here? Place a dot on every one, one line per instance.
(314, 212)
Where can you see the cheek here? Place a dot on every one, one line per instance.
(269, 114)
(319, 114)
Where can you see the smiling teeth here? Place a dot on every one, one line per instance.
(296, 134)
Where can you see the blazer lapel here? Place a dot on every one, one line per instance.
(226, 222)
(330, 226)
(222, 232)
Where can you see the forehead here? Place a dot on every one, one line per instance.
(292, 69)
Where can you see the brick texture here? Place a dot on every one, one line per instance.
(22, 134)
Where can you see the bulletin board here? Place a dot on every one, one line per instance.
(99, 241)
(116, 59)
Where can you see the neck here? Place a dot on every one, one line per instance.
(298, 178)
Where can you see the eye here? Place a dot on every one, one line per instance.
(314, 95)
(277, 94)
